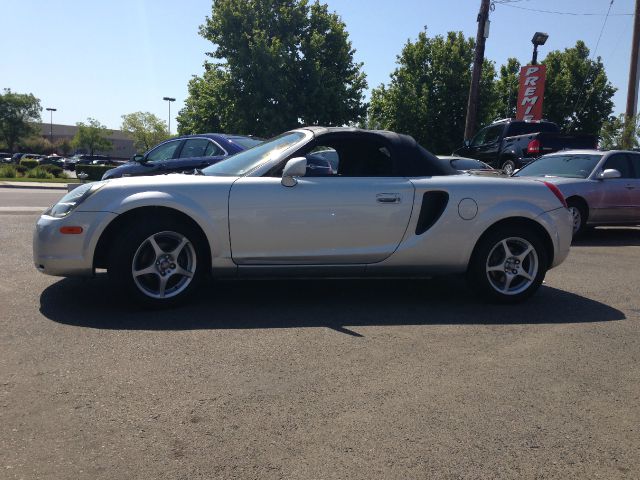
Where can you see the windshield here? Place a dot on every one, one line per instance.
(244, 162)
(576, 165)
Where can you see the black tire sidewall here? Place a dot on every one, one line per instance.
(477, 275)
(124, 249)
(583, 216)
(509, 162)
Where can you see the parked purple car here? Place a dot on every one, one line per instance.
(601, 188)
(184, 154)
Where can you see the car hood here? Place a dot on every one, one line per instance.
(161, 182)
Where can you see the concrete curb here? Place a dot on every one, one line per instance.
(35, 185)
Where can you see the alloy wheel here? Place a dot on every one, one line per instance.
(512, 265)
(164, 264)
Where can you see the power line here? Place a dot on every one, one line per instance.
(586, 98)
(576, 14)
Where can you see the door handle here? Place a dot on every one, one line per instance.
(388, 198)
(629, 187)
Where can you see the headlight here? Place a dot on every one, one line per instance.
(71, 200)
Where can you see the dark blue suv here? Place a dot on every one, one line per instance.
(184, 154)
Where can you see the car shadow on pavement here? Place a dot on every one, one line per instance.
(609, 237)
(335, 304)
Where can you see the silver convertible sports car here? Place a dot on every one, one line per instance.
(601, 188)
(312, 202)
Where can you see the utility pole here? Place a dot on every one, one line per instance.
(483, 33)
(632, 92)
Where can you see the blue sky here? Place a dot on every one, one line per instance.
(104, 59)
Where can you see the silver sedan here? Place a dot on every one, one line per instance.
(601, 188)
(385, 207)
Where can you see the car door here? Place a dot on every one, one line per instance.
(634, 185)
(614, 204)
(355, 216)
(485, 146)
(156, 162)
(196, 153)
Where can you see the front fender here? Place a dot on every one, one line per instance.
(209, 212)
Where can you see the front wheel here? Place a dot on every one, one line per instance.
(157, 263)
(508, 265)
(579, 217)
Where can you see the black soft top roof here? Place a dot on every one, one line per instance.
(412, 160)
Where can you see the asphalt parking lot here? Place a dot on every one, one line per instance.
(321, 379)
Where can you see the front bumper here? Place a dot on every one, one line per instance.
(63, 255)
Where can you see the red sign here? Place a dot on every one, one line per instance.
(531, 92)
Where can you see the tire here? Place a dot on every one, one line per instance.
(508, 264)
(157, 263)
(579, 215)
(508, 167)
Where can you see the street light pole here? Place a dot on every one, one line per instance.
(169, 99)
(539, 38)
(51, 125)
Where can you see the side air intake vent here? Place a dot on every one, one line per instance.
(433, 204)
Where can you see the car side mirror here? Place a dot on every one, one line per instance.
(467, 143)
(609, 173)
(296, 167)
(137, 158)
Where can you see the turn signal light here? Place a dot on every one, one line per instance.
(71, 230)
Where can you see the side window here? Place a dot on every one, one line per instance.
(487, 135)
(361, 158)
(194, 147)
(322, 161)
(620, 162)
(635, 163)
(213, 150)
(163, 152)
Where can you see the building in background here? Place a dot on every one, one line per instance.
(122, 146)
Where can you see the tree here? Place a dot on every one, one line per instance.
(278, 64)
(428, 92)
(18, 114)
(617, 134)
(145, 129)
(506, 87)
(92, 136)
(578, 95)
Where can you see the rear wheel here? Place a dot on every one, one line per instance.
(508, 167)
(508, 264)
(157, 263)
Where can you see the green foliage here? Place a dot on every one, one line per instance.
(28, 163)
(427, 95)
(94, 172)
(18, 112)
(578, 95)
(55, 170)
(618, 134)
(63, 147)
(8, 171)
(36, 144)
(40, 173)
(506, 88)
(278, 65)
(33, 171)
(145, 129)
(92, 136)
